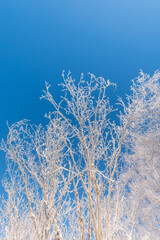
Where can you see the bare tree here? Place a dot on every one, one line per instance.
(86, 176)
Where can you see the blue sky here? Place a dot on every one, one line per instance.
(39, 39)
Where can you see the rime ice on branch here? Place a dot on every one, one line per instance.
(85, 176)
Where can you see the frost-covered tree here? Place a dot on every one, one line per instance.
(92, 172)
(142, 157)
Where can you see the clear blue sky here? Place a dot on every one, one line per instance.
(38, 39)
